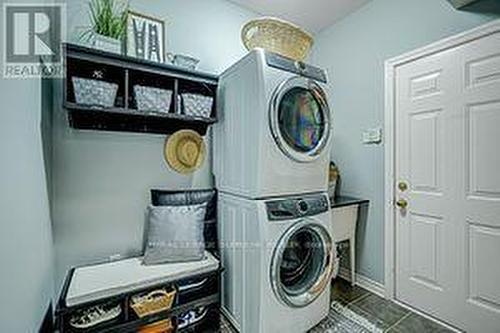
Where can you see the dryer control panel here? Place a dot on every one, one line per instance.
(296, 207)
(297, 67)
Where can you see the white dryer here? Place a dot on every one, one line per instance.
(278, 257)
(273, 136)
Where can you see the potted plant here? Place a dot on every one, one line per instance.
(108, 24)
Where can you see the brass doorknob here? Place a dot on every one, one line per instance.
(403, 186)
(402, 203)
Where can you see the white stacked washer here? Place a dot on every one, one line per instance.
(278, 258)
(271, 156)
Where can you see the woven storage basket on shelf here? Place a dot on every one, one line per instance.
(153, 302)
(277, 36)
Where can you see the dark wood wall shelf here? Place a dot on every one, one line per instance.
(126, 72)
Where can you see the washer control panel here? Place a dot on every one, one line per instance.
(296, 207)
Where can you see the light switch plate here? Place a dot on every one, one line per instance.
(372, 136)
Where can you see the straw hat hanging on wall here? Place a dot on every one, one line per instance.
(185, 151)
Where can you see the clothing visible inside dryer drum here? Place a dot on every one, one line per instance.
(302, 262)
(301, 119)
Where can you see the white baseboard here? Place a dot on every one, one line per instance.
(373, 286)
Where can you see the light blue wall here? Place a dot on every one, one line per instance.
(353, 51)
(101, 180)
(205, 29)
(26, 280)
(26, 252)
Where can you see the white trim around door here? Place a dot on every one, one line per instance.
(390, 69)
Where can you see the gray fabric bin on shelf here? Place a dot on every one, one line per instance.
(94, 92)
(197, 105)
(150, 99)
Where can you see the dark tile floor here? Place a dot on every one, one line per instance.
(383, 315)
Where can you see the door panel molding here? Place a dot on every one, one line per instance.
(482, 276)
(481, 131)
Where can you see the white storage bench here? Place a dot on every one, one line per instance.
(197, 285)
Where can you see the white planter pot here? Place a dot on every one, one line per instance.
(108, 44)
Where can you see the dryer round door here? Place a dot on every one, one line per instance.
(302, 264)
(300, 119)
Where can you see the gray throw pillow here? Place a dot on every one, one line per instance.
(175, 234)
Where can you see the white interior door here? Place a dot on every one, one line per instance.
(448, 155)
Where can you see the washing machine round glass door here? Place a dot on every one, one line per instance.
(302, 263)
(300, 119)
